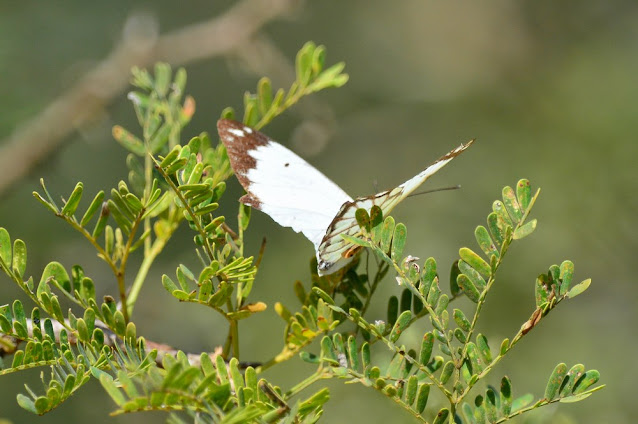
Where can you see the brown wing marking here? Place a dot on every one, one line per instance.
(238, 147)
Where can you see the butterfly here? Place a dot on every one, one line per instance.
(295, 194)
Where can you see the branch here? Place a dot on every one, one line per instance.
(10, 344)
(140, 46)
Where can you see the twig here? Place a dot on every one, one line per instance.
(140, 46)
(9, 344)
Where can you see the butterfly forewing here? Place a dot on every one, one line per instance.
(332, 253)
(280, 183)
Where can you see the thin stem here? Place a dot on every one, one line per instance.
(142, 273)
(320, 374)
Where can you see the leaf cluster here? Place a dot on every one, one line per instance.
(173, 184)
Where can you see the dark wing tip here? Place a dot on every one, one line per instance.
(228, 123)
(454, 153)
(234, 133)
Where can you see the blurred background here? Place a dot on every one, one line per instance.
(548, 89)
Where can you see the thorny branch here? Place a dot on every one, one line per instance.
(140, 46)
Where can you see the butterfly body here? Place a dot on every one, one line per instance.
(297, 195)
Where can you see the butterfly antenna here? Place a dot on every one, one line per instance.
(434, 190)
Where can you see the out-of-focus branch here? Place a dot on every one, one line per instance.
(140, 46)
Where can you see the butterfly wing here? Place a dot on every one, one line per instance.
(334, 251)
(280, 183)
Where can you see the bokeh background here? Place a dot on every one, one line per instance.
(548, 89)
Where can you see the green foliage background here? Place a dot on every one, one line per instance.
(548, 90)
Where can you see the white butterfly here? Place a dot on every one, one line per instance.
(296, 195)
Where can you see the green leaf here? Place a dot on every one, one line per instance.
(428, 276)
(101, 221)
(402, 323)
(387, 232)
(365, 355)
(83, 330)
(588, 379)
(264, 93)
(555, 381)
(352, 353)
(475, 360)
(505, 344)
(168, 284)
(472, 274)
(475, 261)
(446, 372)
(55, 271)
(511, 204)
(398, 241)
(159, 138)
(129, 141)
(485, 241)
(523, 193)
(26, 403)
(74, 200)
(497, 227)
(454, 274)
(92, 209)
(5, 247)
(522, 401)
(20, 323)
(19, 264)
(441, 417)
(318, 59)
(406, 300)
(566, 274)
(162, 78)
(422, 398)
(119, 217)
(490, 405)
(441, 305)
(133, 202)
(461, 320)
(244, 216)
(111, 388)
(323, 295)
(426, 348)
(411, 389)
(499, 208)
(468, 288)
(573, 375)
(355, 240)
(120, 323)
(506, 396)
(376, 223)
(303, 64)
(363, 219)
(578, 288)
(392, 310)
(525, 230)
(484, 348)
